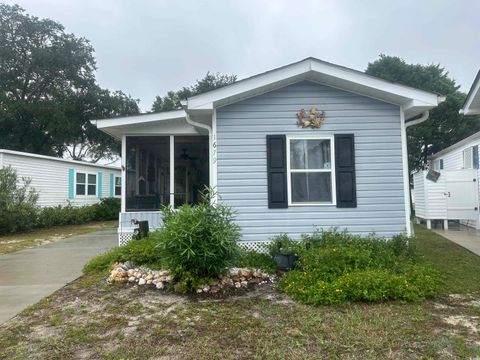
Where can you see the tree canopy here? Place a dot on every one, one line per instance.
(48, 91)
(172, 100)
(445, 125)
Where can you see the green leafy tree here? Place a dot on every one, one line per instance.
(445, 125)
(173, 99)
(48, 91)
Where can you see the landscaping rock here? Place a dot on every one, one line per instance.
(235, 278)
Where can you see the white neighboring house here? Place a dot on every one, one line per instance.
(62, 181)
(455, 195)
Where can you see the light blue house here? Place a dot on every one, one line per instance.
(308, 145)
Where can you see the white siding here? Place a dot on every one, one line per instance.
(419, 194)
(50, 178)
(453, 160)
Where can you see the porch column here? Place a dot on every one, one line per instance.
(213, 155)
(172, 170)
(123, 173)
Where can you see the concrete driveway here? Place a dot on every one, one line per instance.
(464, 236)
(29, 275)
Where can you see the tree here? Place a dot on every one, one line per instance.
(445, 126)
(172, 100)
(48, 91)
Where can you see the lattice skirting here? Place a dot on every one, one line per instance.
(258, 246)
(125, 235)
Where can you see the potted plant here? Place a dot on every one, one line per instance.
(284, 251)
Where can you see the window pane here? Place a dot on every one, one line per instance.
(92, 179)
(81, 178)
(118, 191)
(118, 181)
(91, 189)
(311, 187)
(80, 189)
(310, 154)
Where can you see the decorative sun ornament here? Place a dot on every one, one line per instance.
(313, 118)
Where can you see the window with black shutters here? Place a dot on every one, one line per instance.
(310, 174)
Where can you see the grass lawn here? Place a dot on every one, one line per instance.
(90, 320)
(36, 237)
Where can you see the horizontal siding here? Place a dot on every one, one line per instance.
(50, 178)
(242, 176)
(453, 160)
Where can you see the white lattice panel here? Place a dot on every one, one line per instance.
(258, 246)
(124, 237)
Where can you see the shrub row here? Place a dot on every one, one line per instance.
(336, 267)
(19, 210)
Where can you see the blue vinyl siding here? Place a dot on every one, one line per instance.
(242, 168)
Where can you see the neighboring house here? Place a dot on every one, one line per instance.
(472, 102)
(342, 162)
(454, 196)
(61, 181)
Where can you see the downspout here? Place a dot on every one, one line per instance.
(407, 194)
(210, 145)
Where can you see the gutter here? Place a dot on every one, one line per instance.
(419, 120)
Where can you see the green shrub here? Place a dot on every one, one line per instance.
(283, 244)
(65, 215)
(139, 252)
(339, 267)
(17, 202)
(107, 209)
(198, 241)
(256, 260)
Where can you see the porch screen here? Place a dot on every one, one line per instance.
(147, 172)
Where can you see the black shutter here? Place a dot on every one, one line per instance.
(345, 171)
(277, 171)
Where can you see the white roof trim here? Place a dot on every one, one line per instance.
(473, 95)
(139, 119)
(45, 157)
(413, 101)
(456, 145)
(323, 72)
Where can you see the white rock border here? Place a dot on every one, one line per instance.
(236, 278)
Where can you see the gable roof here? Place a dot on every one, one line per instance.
(413, 101)
(471, 106)
(52, 158)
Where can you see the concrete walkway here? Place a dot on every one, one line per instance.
(464, 236)
(29, 275)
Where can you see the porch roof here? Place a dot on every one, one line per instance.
(413, 101)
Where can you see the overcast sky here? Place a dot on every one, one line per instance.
(147, 47)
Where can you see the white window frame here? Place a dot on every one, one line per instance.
(331, 170)
(470, 165)
(115, 177)
(86, 184)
